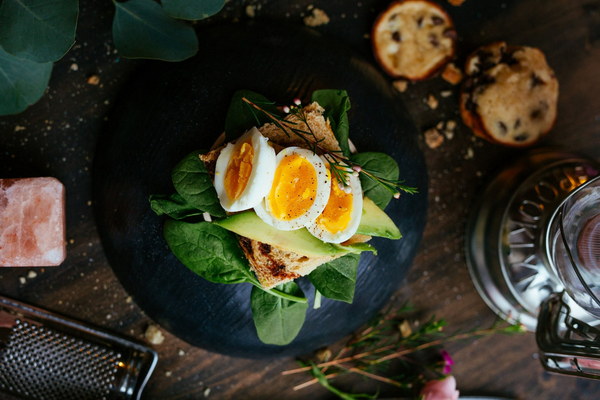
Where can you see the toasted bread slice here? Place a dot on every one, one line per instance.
(271, 264)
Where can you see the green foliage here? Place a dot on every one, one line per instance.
(337, 279)
(142, 29)
(194, 184)
(336, 104)
(277, 320)
(38, 30)
(241, 117)
(22, 82)
(208, 250)
(173, 206)
(381, 166)
(192, 9)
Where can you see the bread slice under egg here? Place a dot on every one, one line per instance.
(271, 264)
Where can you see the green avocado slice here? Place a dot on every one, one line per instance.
(375, 222)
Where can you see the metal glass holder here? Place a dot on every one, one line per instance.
(45, 356)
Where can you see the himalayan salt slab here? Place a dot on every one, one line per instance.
(32, 222)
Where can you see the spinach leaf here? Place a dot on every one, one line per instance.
(336, 104)
(382, 166)
(208, 250)
(174, 206)
(241, 116)
(336, 279)
(194, 184)
(277, 320)
(192, 9)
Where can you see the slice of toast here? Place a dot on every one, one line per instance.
(271, 264)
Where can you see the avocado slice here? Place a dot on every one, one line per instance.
(299, 241)
(375, 222)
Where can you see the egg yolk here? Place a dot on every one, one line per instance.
(238, 171)
(294, 188)
(338, 210)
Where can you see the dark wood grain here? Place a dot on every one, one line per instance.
(57, 137)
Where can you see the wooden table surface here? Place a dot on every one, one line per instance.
(57, 137)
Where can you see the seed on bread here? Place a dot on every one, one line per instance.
(413, 39)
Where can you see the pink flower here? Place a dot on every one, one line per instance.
(448, 362)
(444, 389)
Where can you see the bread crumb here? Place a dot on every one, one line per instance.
(433, 138)
(405, 329)
(251, 10)
(22, 280)
(470, 153)
(451, 125)
(31, 274)
(400, 85)
(181, 353)
(206, 392)
(19, 128)
(93, 80)
(456, 3)
(446, 93)
(323, 355)
(168, 374)
(317, 17)
(432, 102)
(452, 74)
(74, 67)
(154, 335)
(128, 300)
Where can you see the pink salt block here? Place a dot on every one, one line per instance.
(32, 222)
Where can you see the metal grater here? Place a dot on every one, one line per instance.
(44, 356)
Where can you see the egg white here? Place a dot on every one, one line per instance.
(320, 199)
(325, 235)
(260, 179)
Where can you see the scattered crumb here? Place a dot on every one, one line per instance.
(71, 241)
(19, 128)
(317, 17)
(470, 153)
(452, 74)
(323, 355)
(400, 85)
(128, 300)
(93, 80)
(154, 335)
(432, 102)
(32, 275)
(22, 280)
(251, 10)
(206, 392)
(74, 67)
(433, 138)
(451, 125)
(446, 93)
(108, 316)
(168, 373)
(181, 353)
(405, 330)
(456, 2)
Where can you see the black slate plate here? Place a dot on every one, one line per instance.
(167, 110)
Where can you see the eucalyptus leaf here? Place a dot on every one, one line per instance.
(172, 205)
(336, 279)
(382, 166)
(22, 82)
(142, 29)
(194, 184)
(277, 320)
(336, 104)
(241, 116)
(192, 9)
(38, 30)
(208, 250)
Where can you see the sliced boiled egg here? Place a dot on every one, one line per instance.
(340, 219)
(299, 192)
(244, 171)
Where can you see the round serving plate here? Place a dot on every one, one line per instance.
(169, 109)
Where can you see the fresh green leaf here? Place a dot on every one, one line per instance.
(38, 30)
(336, 279)
(22, 82)
(241, 116)
(142, 29)
(174, 206)
(277, 320)
(336, 104)
(382, 166)
(208, 250)
(194, 184)
(192, 9)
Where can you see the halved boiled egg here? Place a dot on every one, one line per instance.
(340, 219)
(244, 171)
(299, 192)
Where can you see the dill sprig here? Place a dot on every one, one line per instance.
(392, 337)
(340, 166)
